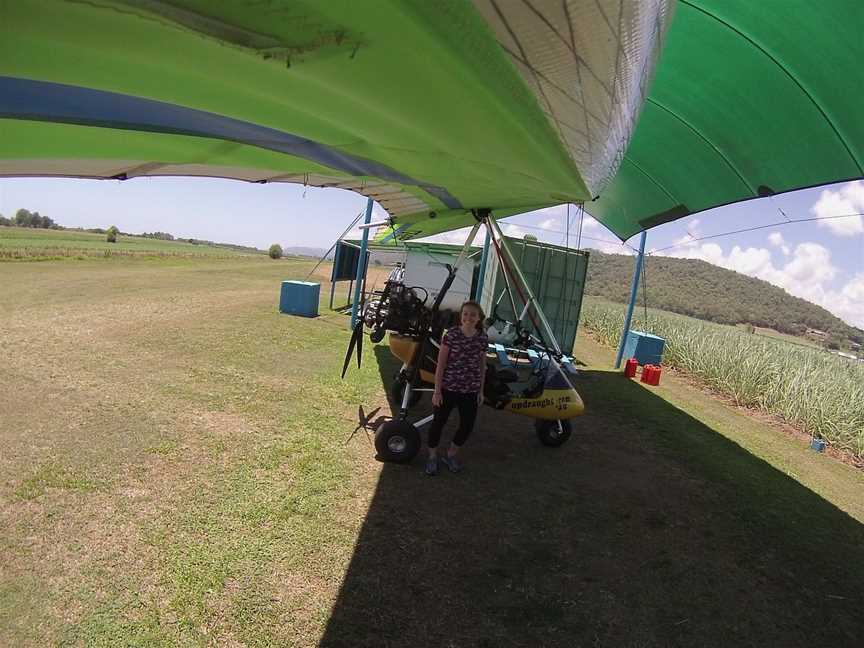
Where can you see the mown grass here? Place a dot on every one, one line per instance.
(53, 475)
(809, 388)
(233, 526)
(228, 509)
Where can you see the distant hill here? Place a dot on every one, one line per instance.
(303, 251)
(699, 289)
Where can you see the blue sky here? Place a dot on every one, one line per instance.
(822, 262)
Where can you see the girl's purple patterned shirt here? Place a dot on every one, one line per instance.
(465, 361)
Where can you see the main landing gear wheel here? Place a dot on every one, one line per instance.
(397, 441)
(551, 434)
(397, 390)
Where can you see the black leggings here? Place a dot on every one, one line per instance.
(467, 405)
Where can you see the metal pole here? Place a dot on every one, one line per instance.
(633, 289)
(478, 294)
(333, 273)
(361, 265)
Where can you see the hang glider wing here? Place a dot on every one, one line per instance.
(437, 107)
(431, 107)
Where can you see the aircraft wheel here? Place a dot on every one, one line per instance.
(550, 434)
(397, 390)
(397, 441)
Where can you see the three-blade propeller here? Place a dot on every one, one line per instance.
(365, 423)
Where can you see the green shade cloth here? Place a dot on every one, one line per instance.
(750, 98)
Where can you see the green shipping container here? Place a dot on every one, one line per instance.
(557, 278)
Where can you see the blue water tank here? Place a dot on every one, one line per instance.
(299, 298)
(646, 348)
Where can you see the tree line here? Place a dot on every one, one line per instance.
(26, 218)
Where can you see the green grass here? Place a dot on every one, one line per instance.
(181, 385)
(176, 472)
(21, 243)
(791, 339)
(52, 475)
(816, 391)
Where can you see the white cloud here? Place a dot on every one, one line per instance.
(806, 274)
(549, 224)
(609, 247)
(776, 239)
(589, 223)
(811, 263)
(849, 199)
(454, 237)
(514, 231)
(848, 303)
(559, 214)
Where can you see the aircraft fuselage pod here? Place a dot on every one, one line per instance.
(540, 390)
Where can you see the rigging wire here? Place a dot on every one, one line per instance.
(581, 221)
(341, 236)
(779, 208)
(753, 229)
(506, 268)
(580, 235)
(551, 231)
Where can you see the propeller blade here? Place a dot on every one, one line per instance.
(359, 331)
(361, 417)
(369, 417)
(356, 340)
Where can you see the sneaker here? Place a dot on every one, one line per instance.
(453, 464)
(432, 467)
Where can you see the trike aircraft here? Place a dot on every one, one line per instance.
(531, 376)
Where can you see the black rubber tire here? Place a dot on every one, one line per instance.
(397, 389)
(550, 435)
(377, 335)
(397, 441)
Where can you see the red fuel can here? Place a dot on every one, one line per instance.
(630, 367)
(651, 374)
(646, 373)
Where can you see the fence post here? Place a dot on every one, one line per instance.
(478, 293)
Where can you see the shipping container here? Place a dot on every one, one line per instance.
(556, 276)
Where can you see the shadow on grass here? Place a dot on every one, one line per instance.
(646, 529)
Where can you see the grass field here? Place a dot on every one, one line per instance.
(21, 243)
(816, 391)
(177, 471)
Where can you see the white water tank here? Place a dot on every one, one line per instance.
(427, 268)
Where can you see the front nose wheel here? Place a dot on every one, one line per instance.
(553, 433)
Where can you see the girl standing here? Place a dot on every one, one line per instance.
(459, 380)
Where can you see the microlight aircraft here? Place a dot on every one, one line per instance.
(531, 376)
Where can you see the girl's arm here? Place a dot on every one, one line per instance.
(443, 354)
